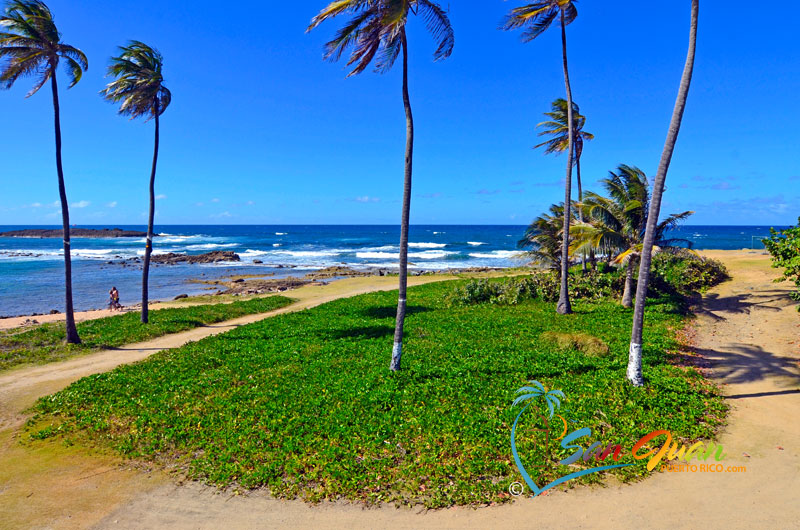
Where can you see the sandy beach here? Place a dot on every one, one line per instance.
(746, 331)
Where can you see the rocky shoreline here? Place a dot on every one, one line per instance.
(93, 233)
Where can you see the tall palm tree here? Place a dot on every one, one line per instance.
(634, 371)
(616, 223)
(139, 85)
(378, 27)
(30, 46)
(536, 18)
(557, 129)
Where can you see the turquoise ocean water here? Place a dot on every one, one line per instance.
(31, 270)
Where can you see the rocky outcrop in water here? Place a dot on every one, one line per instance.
(43, 233)
(209, 257)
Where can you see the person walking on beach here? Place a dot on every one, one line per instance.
(113, 299)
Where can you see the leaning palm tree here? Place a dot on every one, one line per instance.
(30, 46)
(139, 85)
(535, 18)
(616, 223)
(378, 28)
(556, 128)
(634, 372)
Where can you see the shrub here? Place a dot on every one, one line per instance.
(675, 271)
(685, 272)
(784, 246)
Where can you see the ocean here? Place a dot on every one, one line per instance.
(31, 270)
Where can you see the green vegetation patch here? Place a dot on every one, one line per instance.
(304, 404)
(784, 247)
(45, 343)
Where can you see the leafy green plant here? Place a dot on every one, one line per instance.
(686, 272)
(302, 404)
(784, 246)
(45, 343)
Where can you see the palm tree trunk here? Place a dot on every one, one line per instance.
(635, 353)
(72, 331)
(564, 307)
(148, 249)
(627, 295)
(397, 350)
(580, 200)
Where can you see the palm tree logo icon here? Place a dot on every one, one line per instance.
(552, 398)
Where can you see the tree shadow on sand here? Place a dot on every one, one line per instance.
(715, 306)
(747, 363)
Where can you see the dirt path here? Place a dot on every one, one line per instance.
(748, 329)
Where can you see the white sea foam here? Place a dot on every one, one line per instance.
(475, 243)
(211, 246)
(281, 234)
(306, 253)
(427, 245)
(428, 254)
(497, 254)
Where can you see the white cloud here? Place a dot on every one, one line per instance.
(199, 204)
(36, 205)
(81, 204)
(222, 215)
(251, 203)
(112, 204)
(159, 197)
(367, 198)
(214, 200)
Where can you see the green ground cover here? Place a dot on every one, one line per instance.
(45, 343)
(303, 404)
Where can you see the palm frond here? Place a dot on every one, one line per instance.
(138, 83)
(376, 31)
(31, 46)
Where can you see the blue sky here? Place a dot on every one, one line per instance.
(262, 131)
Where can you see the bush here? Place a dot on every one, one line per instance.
(784, 246)
(685, 272)
(675, 271)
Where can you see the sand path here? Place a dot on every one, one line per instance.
(747, 329)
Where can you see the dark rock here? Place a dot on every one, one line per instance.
(258, 261)
(55, 312)
(209, 257)
(74, 232)
(181, 297)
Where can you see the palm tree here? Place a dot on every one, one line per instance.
(139, 85)
(557, 129)
(536, 18)
(634, 371)
(378, 27)
(616, 223)
(30, 46)
(543, 238)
